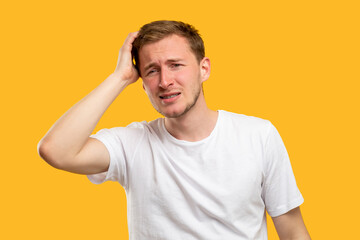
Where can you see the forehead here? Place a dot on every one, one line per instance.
(173, 46)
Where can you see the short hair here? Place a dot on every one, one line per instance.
(158, 30)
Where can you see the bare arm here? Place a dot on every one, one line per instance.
(67, 144)
(290, 226)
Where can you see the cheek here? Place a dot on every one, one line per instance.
(148, 86)
(183, 77)
(190, 78)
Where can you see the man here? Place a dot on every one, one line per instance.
(194, 174)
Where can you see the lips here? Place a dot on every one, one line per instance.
(169, 96)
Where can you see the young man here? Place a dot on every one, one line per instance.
(194, 174)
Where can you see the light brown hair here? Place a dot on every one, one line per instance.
(158, 30)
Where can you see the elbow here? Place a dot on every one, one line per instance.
(47, 152)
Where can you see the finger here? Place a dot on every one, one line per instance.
(127, 45)
(130, 39)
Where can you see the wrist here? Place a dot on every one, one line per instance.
(116, 82)
(118, 78)
(123, 78)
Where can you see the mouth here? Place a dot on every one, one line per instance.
(168, 96)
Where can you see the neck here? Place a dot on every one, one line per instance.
(195, 125)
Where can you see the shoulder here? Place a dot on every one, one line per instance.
(245, 122)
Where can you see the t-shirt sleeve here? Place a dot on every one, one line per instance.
(121, 143)
(280, 191)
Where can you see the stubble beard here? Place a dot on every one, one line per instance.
(188, 107)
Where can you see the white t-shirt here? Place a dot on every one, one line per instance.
(216, 188)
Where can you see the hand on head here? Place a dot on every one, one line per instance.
(125, 68)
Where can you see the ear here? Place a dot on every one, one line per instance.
(205, 69)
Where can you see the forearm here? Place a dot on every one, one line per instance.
(69, 134)
(290, 226)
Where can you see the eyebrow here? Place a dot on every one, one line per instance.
(150, 65)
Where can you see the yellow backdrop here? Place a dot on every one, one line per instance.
(295, 63)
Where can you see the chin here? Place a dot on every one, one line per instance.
(171, 114)
(174, 113)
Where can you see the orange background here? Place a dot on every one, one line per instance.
(295, 63)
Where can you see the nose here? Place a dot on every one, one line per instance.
(165, 79)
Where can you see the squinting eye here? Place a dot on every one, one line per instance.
(151, 71)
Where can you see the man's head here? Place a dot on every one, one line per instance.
(158, 30)
(170, 59)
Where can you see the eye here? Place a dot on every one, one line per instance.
(152, 71)
(175, 65)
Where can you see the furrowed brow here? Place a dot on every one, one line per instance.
(173, 60)
(150, 65)
(153, 64)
